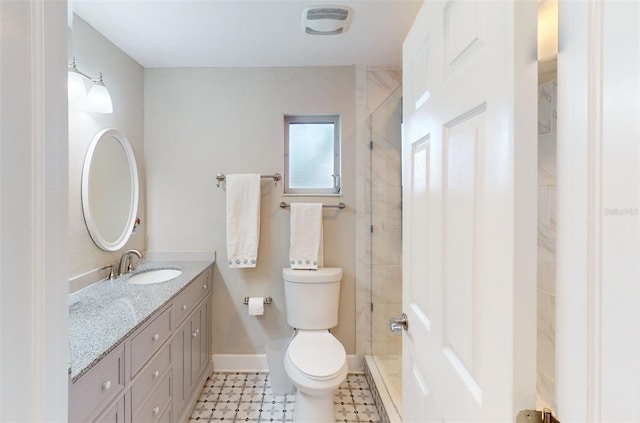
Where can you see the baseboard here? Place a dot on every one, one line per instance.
(258, 363)
(240, 363)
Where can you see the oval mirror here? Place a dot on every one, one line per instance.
(110, 189)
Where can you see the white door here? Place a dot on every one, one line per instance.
(598, 273)
(469, 192)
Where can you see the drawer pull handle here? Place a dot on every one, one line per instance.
(155, 410)
(106, 385)
(194, 334)
(184, 307)
(204, 286)
(156, 374)
(155, 337)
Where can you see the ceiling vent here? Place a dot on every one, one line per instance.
(326, 20)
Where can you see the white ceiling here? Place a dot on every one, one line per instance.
(247, 33)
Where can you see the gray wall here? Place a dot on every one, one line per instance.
(199, 122)
(124, 78)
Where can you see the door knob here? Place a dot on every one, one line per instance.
(396, 324)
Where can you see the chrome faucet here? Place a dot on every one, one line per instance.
(126, 264)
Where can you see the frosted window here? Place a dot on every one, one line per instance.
(312, 155)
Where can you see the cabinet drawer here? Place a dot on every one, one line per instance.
(150, 377)
(114, 414)
(101, 384)
(149, 340)
(154, 407)
(189, 297)
(167, 415)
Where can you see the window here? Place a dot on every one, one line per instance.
(312, 155)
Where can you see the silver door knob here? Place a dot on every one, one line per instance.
(396, 324)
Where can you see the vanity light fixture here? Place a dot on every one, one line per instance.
(99, 98)
(96, 100)
(75, 85)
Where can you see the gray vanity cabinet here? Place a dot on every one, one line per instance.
(93, 393)
(190, 350)
(156, 373)
(114, 414)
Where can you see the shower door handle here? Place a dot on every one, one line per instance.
(396, 324)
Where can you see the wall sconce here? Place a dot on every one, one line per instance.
(96, 100)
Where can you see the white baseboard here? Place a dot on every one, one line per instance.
(258, 363)
(240, 363)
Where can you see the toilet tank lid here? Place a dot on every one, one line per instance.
(323, 274)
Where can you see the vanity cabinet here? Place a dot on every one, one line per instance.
(93, 393)
(191, 351)
(156, 373)
(114, 414)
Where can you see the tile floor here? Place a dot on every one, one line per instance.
(247, 397)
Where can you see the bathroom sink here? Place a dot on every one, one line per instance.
(154, 276)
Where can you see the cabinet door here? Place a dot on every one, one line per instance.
(206, 333)
(197, 335)
(181, 361)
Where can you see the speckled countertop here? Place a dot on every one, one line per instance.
(103, 314)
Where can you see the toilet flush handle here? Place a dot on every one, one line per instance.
(396, 324)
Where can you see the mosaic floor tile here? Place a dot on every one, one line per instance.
(248, 397)
(367, 413)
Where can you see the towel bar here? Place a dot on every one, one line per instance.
(276, 177)
(340, 205)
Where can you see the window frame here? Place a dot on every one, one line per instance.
(337, 153)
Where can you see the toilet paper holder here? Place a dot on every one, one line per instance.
(267, 300)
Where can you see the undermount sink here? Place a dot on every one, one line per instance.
(154, 276)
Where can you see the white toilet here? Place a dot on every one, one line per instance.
(315, 361)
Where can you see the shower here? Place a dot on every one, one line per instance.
(385, 205)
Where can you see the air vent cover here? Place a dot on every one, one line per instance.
(326, 20)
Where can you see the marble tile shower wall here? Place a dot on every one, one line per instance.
(386, 219)
(547, 121)
(373, 87)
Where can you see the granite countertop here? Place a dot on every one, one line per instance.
(103, 314)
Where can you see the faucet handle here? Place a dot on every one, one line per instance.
(112, 271)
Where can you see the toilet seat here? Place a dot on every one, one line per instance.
(317, 354)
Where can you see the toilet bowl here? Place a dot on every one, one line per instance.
(316, 364)
(315, 361)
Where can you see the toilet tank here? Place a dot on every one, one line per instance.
(312, 297)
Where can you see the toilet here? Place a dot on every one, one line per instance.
(315, 361)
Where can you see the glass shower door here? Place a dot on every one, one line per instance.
(386, 241)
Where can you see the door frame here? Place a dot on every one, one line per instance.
(586, 291)
(33, 214)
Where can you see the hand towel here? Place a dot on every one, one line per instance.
(243, 219)
(306, 236)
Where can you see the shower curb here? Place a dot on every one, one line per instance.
(384, 405)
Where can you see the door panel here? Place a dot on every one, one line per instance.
(469, 138)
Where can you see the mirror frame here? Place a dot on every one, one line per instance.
(94, 231)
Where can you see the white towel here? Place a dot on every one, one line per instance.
(306, 236)
(243, 219)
